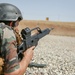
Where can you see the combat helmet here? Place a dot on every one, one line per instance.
(9, 12)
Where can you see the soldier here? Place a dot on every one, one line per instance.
(10, 16)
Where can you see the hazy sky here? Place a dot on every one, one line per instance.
(56, 10)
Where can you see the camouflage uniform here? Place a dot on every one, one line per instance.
(8, 48)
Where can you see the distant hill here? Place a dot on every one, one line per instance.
(60, 28)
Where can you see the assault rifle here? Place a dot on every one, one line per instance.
(29, 40)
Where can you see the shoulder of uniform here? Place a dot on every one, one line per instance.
(2, 26)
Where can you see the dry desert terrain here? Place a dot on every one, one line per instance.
(60, 28)
(57, 49)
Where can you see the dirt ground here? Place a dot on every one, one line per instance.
(60, 28)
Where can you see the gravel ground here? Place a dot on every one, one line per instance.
(58, 52)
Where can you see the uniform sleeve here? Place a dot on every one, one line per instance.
(10, 47)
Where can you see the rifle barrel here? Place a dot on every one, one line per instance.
(44, 32)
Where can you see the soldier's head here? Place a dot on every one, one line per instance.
(10, 14)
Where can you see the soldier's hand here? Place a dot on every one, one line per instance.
(28, 54)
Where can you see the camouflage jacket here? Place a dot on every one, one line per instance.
(8, 48)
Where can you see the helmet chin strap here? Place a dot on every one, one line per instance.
(12, 24)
